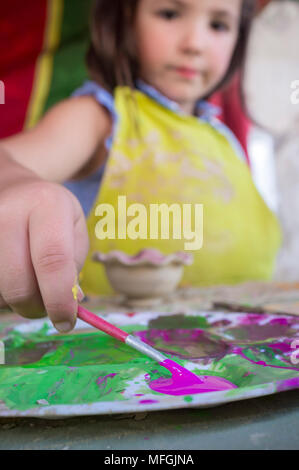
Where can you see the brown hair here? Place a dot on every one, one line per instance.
(111, 57)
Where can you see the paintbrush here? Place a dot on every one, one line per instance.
(182, 382)
(119, 334)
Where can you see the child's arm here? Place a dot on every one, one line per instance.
(64, 141)
(43, 236)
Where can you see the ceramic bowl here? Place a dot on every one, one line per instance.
(144, 278)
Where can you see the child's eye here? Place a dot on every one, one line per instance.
(168, 14)
(219, 26)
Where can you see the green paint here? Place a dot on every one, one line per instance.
(188, 399)
(235, 391)
(234, 368)
(65, 369)
(91, 367)
(180, 321)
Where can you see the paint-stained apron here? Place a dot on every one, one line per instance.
(160, 156)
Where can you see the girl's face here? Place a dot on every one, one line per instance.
(185, 46)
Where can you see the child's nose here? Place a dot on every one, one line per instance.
(195, 38)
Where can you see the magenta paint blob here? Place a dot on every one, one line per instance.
(287, 384)
(148, 402)
(283, 347)
(184, 382)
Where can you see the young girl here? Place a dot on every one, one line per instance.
(141, 132)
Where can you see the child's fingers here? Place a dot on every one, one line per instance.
(18, 285)
(51, 233)
(81, 239)
(3, 304)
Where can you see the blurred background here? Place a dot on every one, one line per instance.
(43, 44)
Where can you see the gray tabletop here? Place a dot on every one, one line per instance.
(270, 422)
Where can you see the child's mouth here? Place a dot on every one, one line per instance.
(186, 72)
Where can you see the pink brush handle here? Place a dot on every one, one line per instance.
(101, 324)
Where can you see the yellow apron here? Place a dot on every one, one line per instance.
(160, 156)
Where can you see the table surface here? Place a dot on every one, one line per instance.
(269, 422)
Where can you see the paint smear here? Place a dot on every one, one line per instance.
(91, 367)
(288, 384)
(191, 344)
(252, 328)
(148, 402)
(188, 399)
(239, 351)
(184, 382)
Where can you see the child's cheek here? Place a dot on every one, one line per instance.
(155, 42)
(220, 60)
(155, 52)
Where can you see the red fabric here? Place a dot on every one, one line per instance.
(230, 102)
(263, 3)
(22, 26)
(232, 113)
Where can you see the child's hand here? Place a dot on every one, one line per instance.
(43, 245)
(43, 236)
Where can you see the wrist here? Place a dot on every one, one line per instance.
(11, 170)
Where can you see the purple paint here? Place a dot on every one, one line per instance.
(282, 347)
(103, 380)
(102, 383)
(247, 374)
(239, 351)
(191, 344)
(287, 384)
(148, 402)
(280, 321)
(251, 319)
(251, 330)
(184, 382)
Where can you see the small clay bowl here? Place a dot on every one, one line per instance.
(145, 278)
